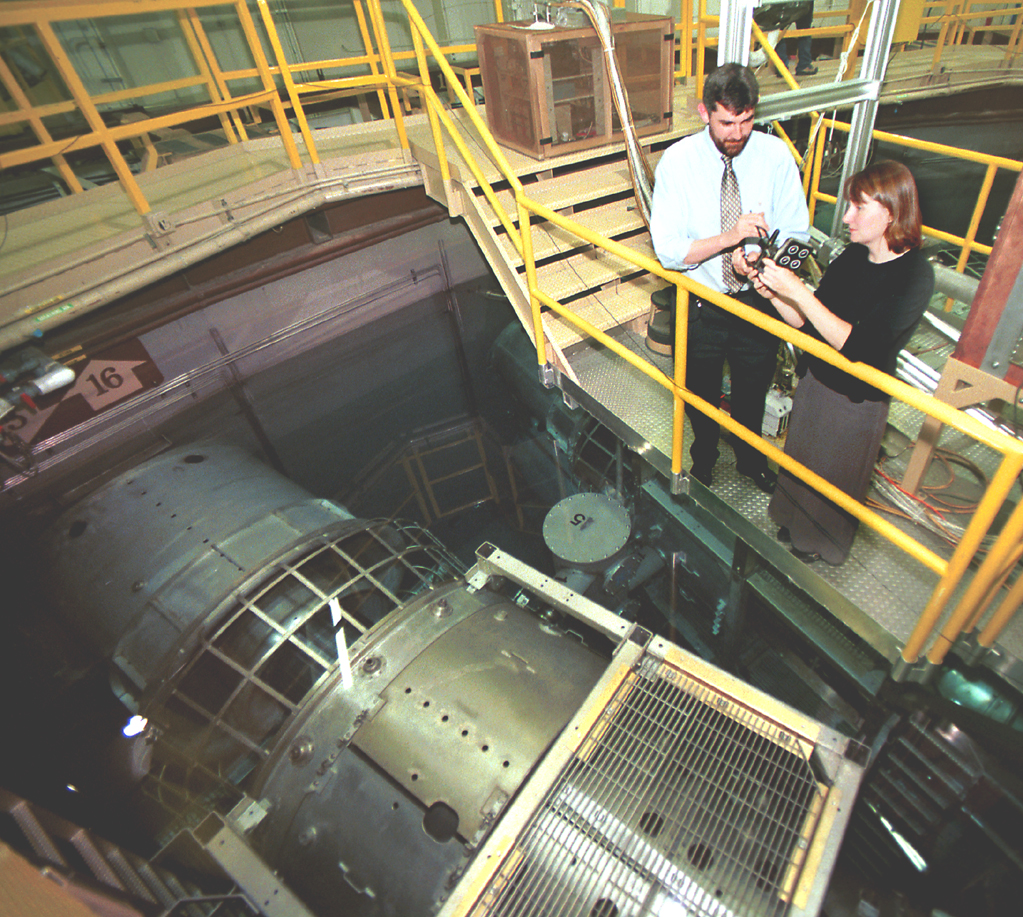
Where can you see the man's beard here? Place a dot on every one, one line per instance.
(730, 148)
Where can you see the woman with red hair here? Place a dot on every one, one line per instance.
(867, 305)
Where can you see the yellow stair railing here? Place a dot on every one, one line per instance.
(375, 71)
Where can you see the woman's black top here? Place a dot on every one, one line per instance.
(883, 303)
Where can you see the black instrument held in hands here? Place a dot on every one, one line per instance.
(791, 255)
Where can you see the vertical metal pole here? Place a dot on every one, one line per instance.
(734, 28)
(875, 64)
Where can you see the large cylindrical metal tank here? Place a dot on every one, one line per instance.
(225, 597)
(379, 794)
(141, 565)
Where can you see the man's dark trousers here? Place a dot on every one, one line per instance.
(715, 335)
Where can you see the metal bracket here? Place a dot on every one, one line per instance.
(266, 893)
(159, 226)
(680, 483)
(548, 376)
(491, 561)
(247, 814)
(223, 207)
(921, 672)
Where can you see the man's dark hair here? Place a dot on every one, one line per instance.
(731, 86)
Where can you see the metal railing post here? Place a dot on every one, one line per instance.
(376, 17)
(92, 116)
(263, 68)
(289, 81)
(995, 496)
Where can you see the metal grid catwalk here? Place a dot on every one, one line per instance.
(887, 589)
(679, 800)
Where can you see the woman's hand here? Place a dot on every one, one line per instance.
(760, 286)
(764, 280)
(796, 303)
(782, 281)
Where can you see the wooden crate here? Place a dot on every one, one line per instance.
(547, 92)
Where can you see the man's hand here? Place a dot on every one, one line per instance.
(748, 224)
(740, 263)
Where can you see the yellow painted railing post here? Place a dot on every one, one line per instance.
(685, 17)
(996, 586)
(289, 81)
(1003, 615)
(376, 17)
(681, 358)
(701, 45)
(526, 236)
(38, 126)
(950, 9)
(429, 97)
(1006, 544)
(818, 165)
(360, 18)
(92, 116)
(263, 68)
(205, 69)
(997, 491)
(215, 70)
(978, 212)
(1012, 48)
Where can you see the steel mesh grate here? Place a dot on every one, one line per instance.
(680, 801)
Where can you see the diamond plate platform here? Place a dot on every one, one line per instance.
(884, 590)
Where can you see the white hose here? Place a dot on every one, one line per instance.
(639, 168)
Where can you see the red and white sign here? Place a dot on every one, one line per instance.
(104, 378)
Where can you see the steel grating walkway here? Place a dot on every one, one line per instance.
(675, 790)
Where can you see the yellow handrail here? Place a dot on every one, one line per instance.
(384, 78)
(968, 243)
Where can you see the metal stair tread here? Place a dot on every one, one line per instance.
(570, 189)
(588, 270)
(605, 309)
(609, 220)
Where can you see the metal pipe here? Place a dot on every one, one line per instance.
(875, 63)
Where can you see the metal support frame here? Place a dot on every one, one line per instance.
(875, 64)
(259, 884)
(734, 30)
(782, 105)
(491, 561)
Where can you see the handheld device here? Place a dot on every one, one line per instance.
(792, 254)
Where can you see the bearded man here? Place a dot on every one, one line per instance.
(713, 189)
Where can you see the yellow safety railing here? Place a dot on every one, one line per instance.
(376, 75)
(960, 23)
(705, 22)
(968, 243)
(971, 606)
(380, 74)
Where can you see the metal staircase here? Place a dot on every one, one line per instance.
(592, 188)
(103, 877)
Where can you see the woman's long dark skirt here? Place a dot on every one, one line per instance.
(839, 440)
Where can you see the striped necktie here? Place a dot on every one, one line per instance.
(731, 207)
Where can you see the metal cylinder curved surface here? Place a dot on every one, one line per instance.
(379, 794)
(142, 561)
